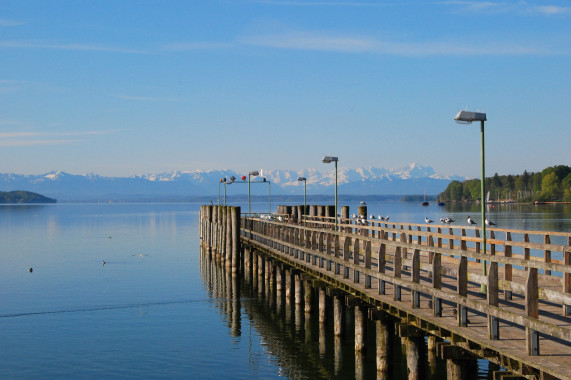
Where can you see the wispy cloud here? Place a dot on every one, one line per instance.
(328, 3)
(31, 138)
(552, 10)
(356, 44)
(147, 98)
(26, 44)
(189, 46)
(4, 23)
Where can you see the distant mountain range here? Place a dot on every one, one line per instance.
(178, 185)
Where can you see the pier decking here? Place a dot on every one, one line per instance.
(427, 278)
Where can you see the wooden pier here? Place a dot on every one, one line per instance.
(425, 279)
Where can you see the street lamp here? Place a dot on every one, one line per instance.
(252, 173)
(328, 160)
(222, 180)
(304, 196)
(232, 179)
(466, 117)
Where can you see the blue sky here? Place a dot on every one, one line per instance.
(129, 87)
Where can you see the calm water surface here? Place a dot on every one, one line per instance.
(156, 309)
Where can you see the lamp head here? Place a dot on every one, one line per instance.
(467, 117)
(254, 173)
(302, 179)
(329, 159)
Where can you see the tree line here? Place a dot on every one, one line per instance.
(550, 185)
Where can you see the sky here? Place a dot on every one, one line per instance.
(125, 87)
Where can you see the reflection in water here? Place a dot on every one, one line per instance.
(301, 345)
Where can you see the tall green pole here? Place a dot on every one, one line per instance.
(270, 195)
(249, 208)
(483, 288)
(335, 196)
(224, 193)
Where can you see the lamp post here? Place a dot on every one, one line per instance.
(466, 117)
(304, 196)
(328, 160)
(222, 180)
(232, 179)
(252, 173)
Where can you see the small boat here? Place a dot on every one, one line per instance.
(441, 204)
(425, 203)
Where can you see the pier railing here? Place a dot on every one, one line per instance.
(431, 272)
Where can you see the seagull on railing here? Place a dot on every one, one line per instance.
(363, 203)
(380, 217)
(470, 221)
(489, 222)
(428, 220)
(442, 220)
(449, 220)
(354, 216)
(386, 218)
(371, 216)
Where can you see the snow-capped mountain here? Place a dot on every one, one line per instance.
(410, 179)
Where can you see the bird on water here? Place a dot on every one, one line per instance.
(470, 221)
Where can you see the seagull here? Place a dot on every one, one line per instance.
(353, 215)
(371, 216)
(489, 222)
(449, 220)
(386, 218)
(364, 221)
(442, 220)
(363, 203)
(470, 221)
(103, 262)
(428, 220)
(280, 219)
(31, 270)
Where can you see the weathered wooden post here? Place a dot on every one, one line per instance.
(493, 300)
(345, 216)
(360, 328)
(567, 276)
(235, 211)
(322, 306)
(532, 311)
(307, 297)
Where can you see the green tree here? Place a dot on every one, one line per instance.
(550, 188)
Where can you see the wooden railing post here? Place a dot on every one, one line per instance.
(532, 310)
(346, 255)
(437, 283)
(367, 259)
(478, 244)
(547, 253)
(356, 250)
(381, 266)
(462, 288)
(567, 276)
(493, 300)
(415, 278)
(508, 267)
(526, 250)
(336, 245)
(397, 272)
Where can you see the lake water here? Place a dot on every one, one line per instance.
(156, 309)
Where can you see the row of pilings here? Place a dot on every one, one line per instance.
(220, 233)
(281, 283)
